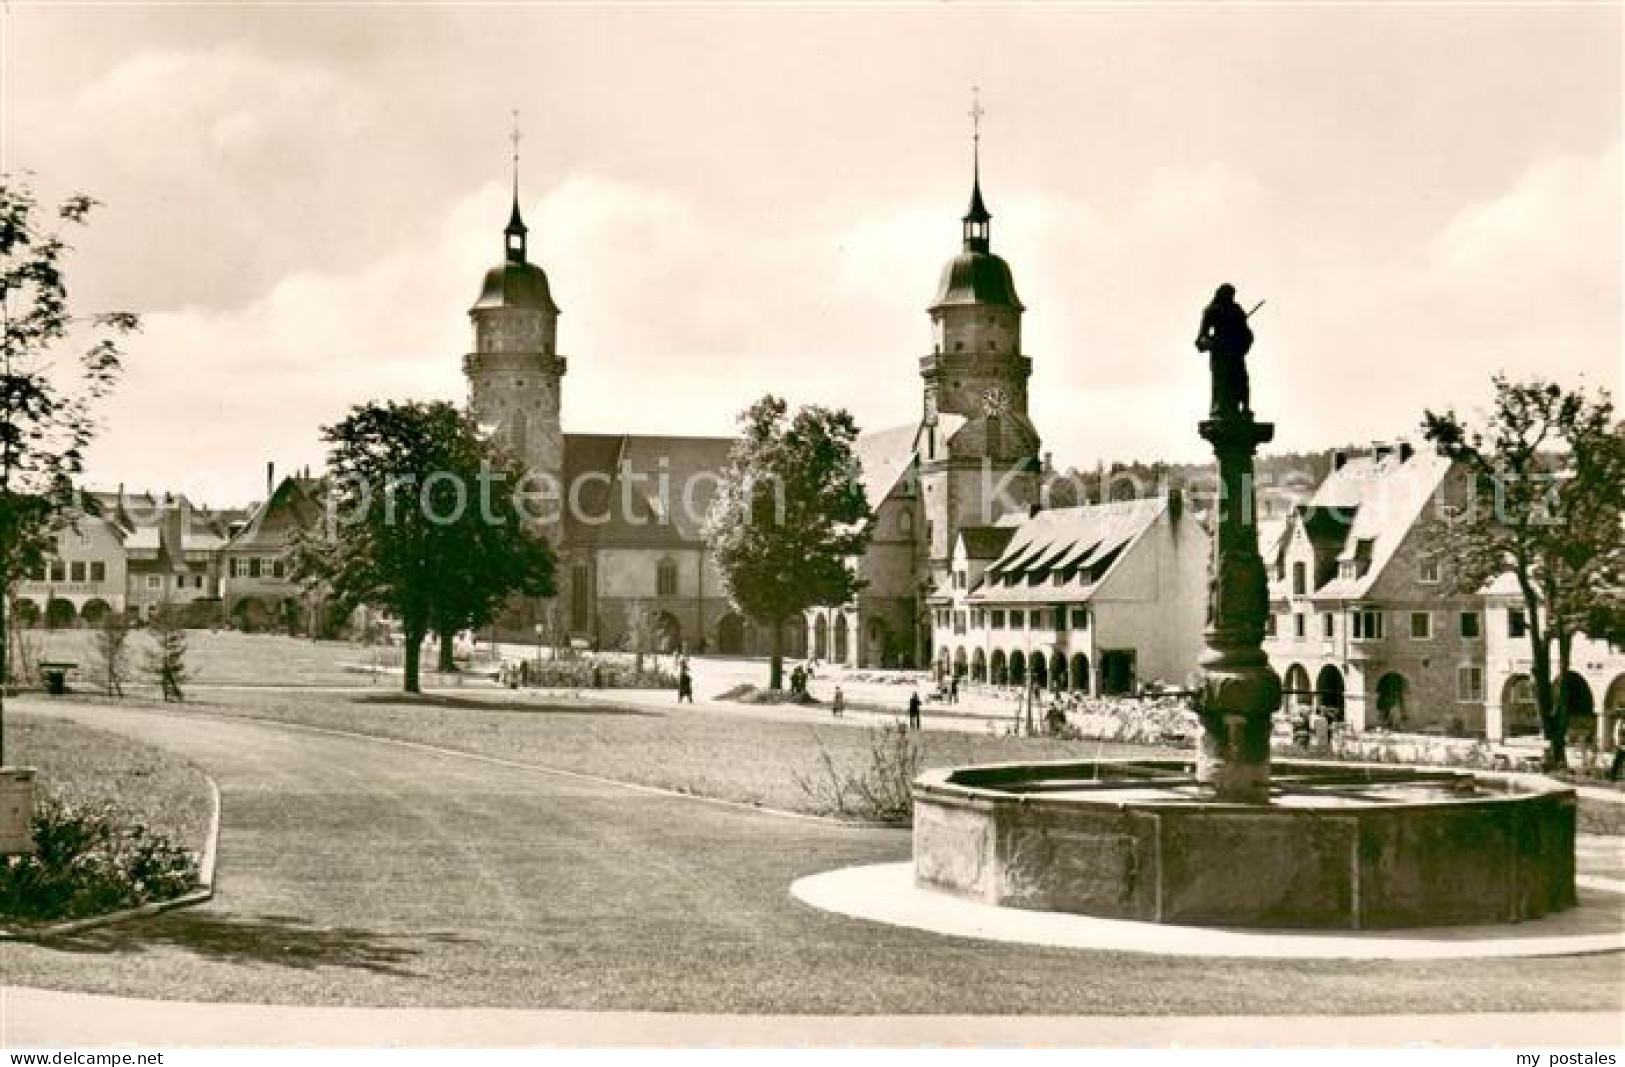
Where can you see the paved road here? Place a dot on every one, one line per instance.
(356, 872)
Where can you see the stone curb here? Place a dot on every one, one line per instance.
(204, 891)
(886, 893)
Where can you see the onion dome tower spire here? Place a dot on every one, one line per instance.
(977, 219)
(515, 230)
(515, 373)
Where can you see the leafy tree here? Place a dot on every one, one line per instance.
(45, 400)
(110, 653)
(425, 523)
(789, 517)
(1548, 500)
(167, 662)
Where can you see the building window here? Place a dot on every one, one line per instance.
(1469, 625)
(1421, 625)
(155, 581)
(59, 571)
(1040, 618)
(98, 571)
(1300, 580)
(254, 565)
(1018, 620)
(1299, 627)
(1517, 625)
(959, 622)
(666, 578)
(1470, 683)
(76, 570)
(998, 619)
(1428, 571)
(905, 522)
(278, 568)
(1080, 618)
(580, 596)
(1269, 626)
(1367, 625)
(1328, 625)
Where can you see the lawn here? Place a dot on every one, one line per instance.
(727, 755)
(86, 766)
(225, 657)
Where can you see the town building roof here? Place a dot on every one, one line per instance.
(1362, 512)
(1080, 544)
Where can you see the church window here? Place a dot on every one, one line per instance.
(666, 578)
(905, 522)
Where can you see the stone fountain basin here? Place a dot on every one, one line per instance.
(1339, 846)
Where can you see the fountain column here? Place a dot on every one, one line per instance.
(1240, 691)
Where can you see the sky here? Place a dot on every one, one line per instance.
(301, 200)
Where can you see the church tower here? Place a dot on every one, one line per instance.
(515, 372)
(978, 448)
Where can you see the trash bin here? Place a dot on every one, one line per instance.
(56, 680)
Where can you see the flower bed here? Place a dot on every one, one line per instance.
(88, 860)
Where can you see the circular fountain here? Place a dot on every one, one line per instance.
(1337, 845)
(1233, 840)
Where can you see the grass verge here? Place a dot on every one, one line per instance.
(729, 756)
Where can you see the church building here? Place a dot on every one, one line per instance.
(628, 545)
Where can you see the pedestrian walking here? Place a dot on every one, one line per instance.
(685, 685)
(837, 704)
(953, 689)
(914, 711)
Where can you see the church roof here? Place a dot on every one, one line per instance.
(986, 542)
(884, 456)
(638, 490)
(976, 278)
(516, 285)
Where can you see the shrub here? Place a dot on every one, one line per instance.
(750, 694)
(586, 674)
(88, 861)
(881, 790)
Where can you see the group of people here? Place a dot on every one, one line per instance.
(1312, 729)
(799, 677)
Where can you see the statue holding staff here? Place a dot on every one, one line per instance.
(1227, 338)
